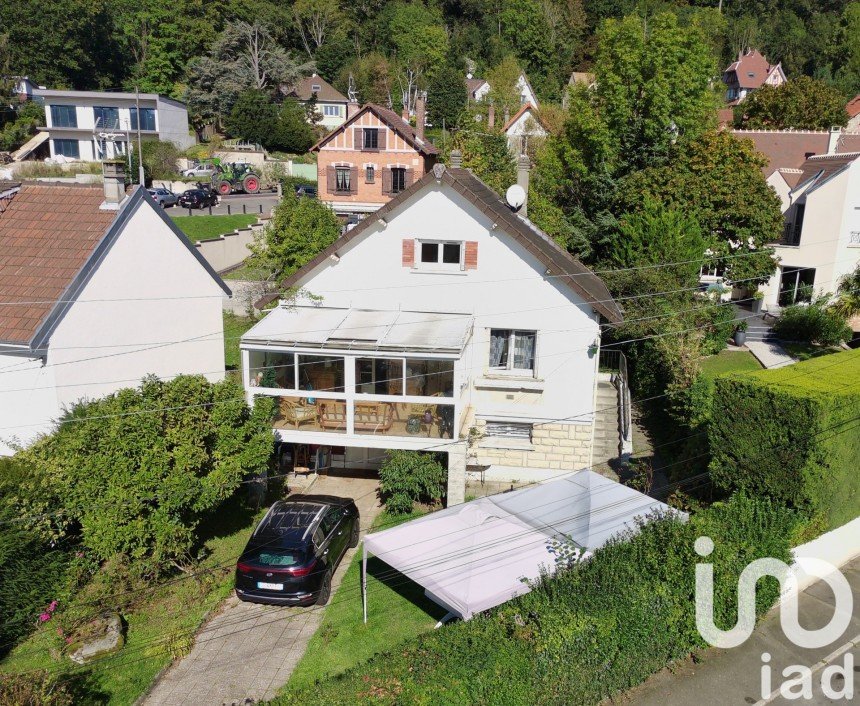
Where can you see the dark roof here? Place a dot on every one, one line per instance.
(473, 84)
(560, 265)
(785, 148)
(822, 167)
(326, 92)
(390, 118)
(52, 237)
(751, 69)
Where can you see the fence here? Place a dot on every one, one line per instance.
(615, 361)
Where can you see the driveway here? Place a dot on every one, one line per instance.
(237, 203)
(248, 651)
(734, 677)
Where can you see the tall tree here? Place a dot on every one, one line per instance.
(317, 21)
(446, 97)
(253, 117)
(801, 103)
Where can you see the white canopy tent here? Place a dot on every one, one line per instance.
(477, 555)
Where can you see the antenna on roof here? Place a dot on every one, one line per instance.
(350, 91)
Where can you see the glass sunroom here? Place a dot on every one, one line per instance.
(353, 373)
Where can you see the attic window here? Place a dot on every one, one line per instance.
(751, 74)
(316, 87)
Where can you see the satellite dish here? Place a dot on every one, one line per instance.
(515, 196)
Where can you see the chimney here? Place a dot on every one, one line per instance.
(405, 112)
(456, 159)
(351, 109)
(491, 116)
(114, 185)
(833, 141)
(420, 106)
(524, 166)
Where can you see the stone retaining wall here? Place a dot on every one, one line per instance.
(231, 249)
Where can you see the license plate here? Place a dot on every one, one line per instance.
(270, 586)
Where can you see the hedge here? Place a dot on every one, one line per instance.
(585, 634)
(792, 434)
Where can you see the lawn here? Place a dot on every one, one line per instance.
(234, 327)
(397, 611)
(805, 351)
(729, 362)
(208, 227)
(162, 620)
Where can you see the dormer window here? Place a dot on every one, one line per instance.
(316, 88)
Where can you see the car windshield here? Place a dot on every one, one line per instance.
(275, 557)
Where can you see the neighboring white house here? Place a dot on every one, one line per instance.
(331, 103)
(748, 73)
(97, 290)
(478, 89)
(92, 125)
(821, 242)
(524, 126)
(445, 321)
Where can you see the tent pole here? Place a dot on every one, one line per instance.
(364, 582)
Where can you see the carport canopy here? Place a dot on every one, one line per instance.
(478, 555)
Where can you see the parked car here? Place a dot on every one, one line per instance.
(163, 197)
(198, 198)
(305, 190)
(200, 170)
(295, 550)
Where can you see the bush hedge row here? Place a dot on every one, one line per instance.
(585, 634)
(792, 435)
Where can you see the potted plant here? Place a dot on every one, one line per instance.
(740, 333)
(757, 301)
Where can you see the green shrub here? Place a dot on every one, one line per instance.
(589, 632)
(35, 689)
(407, 477)
(791, 434)
(815, 323)
(140, 469)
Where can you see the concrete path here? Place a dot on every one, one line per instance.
(734, 677)
(248, 651)
(770, 355)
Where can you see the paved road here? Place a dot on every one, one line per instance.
(730, 677)
(248, 651)
(234, 204)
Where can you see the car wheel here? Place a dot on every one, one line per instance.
(353, 538)
(325, 591)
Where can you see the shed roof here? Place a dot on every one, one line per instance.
(560, 264)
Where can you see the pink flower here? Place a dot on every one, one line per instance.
(44, 617)
(68, 640)
(80, 555)
(52, 606)
(60, 631)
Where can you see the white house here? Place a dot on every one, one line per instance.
(93, 125)
(821, 242)
(478, 89)
(748, 73)
(97, 290)
(332, 105)
(525, 125)
(446, 321)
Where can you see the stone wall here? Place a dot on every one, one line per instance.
(231, 249)
(555, 447)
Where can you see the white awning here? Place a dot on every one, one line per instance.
(475, 556)
(329, 327)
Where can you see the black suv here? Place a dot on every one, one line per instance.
(295, 550)
(198, 198)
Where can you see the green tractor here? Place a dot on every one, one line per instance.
(231, 177)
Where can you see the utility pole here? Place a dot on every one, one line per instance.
(140, 177)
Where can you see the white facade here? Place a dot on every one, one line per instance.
(497, 285)
(91, 126)
(524, 127)
(822, 239)
(148, 307)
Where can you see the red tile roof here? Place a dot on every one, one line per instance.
(785, 148)
(47, 234)
(751, 69)
(853, 107)
(516, 116)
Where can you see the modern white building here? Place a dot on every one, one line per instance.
(97, 290)
(445, 321)
(821, 241)
(94, 125)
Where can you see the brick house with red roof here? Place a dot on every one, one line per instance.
(371, 158)
(98, 288)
